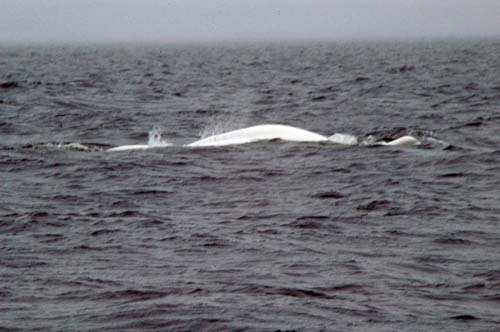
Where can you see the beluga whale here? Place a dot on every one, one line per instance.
(406, 140)
(260, 133)
(265, 132)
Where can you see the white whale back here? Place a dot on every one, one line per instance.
(259, 133)
(130, 147)
(403, 141)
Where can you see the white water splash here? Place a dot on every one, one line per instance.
(77, 147)
(156, 140)
(344, 139)
(369, 141)
(222, 124)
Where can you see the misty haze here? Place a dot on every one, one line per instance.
(239, 20)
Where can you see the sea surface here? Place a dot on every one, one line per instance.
(267, 236)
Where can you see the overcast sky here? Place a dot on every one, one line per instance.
(221, 20)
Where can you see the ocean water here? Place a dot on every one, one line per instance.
(267, 236)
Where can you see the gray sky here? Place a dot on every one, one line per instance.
(219, 20)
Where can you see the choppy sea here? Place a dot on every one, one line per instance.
(267, 236)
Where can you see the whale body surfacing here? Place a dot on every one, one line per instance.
(260, 133)
(403, 141)
(267, 132)
(130, 147)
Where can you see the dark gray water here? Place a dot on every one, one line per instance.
(269, 236)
